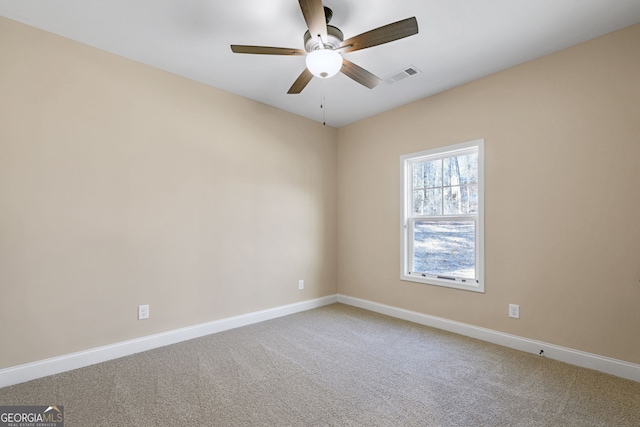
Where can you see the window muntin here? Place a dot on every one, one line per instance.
(442, 229)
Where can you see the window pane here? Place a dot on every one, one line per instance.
(427, 174)
(452, 201)
(461, 200)
(418, 202)
(461, 170)
(445, 248)
(427, 202)
(469, 168)
(433, 203)
(416, 171)
(470, 198)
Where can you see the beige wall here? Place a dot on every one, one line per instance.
(123, 185)
(562, 148)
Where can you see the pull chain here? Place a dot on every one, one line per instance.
(322, 106)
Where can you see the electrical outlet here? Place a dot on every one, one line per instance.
(143, 312)
(514, 311)
(301, 284)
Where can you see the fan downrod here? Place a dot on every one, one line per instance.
(334, 35)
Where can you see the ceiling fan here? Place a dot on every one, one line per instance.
(324, 43)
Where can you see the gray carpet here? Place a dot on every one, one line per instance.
(334, 366)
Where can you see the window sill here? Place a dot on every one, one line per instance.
(474, 287)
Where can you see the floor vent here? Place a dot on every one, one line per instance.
(401, 75)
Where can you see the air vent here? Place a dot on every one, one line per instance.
(401, 75)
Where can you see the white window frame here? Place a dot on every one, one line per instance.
(408, 218)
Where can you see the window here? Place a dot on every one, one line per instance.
(443, 216)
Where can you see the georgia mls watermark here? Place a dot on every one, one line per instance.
(31, 416)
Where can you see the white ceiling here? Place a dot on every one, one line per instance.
(458, 41)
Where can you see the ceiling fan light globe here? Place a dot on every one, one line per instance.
(324, 63)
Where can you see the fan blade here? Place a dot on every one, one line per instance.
(313, 12)
(388, 33)
(359, 74)
(301, 82)
(266, 50)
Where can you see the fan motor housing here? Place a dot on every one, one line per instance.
(334, 39)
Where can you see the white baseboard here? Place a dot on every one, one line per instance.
(68, 362)
(608, 365)
(56, 365)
